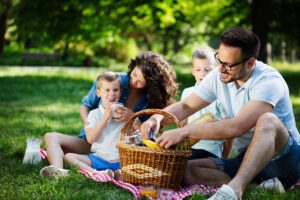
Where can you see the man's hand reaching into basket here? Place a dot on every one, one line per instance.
(171, 137)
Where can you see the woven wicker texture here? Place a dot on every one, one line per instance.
(148, 166)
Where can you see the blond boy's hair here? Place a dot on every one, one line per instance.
(107, 76)
(205, 52)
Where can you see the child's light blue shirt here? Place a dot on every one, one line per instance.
(213, 146)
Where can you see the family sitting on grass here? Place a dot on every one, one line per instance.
(249, 99)
(149, 75)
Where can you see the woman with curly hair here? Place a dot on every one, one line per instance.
(149, 83)
(159, 77)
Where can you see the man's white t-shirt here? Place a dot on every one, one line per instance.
(105, 146)
(265, 84)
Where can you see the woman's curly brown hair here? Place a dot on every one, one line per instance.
(160, 78)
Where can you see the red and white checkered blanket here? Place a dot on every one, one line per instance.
(163, 194)
(135, 190)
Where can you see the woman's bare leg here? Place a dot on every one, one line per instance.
(58, 144)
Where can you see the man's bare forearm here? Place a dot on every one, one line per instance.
(176, 110)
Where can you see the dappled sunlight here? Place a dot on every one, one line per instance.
(286, 67)
(61, 108)
(295, 100)
(64, 72)
(37, 124)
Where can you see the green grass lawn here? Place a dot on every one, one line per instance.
(34, 101)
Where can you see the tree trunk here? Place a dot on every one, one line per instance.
(293, 55)
(269, 52)
(147, 40)
(165, 42)
(3, 19)
(66, 51)
(283, 51)
(176, 45)
(165, 46)
(27, 43)
(260, 12)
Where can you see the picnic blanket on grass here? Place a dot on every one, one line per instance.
(162, 194)
(136, 190)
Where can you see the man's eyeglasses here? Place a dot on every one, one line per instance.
(227, 64)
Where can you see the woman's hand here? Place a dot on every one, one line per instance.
(124, 113)
(136, 124)
(151, 123)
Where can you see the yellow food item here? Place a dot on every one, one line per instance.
(148, 192)
(151, 144)
(206, 118)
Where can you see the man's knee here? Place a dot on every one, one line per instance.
(269, 125)
(269, 122)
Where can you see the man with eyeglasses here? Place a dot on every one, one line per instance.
(260, 118)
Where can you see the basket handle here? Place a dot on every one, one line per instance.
(129, 123)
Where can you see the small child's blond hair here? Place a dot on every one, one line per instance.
(108, 76)
(205, 52)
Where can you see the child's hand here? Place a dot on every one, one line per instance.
(108, 111)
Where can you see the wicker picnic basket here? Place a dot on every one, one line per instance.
(143, 165)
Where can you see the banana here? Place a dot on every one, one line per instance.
(208, 117)
(151, 144)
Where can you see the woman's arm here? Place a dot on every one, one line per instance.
(88, 103)
(84, 112)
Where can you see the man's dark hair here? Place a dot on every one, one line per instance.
(242, 38)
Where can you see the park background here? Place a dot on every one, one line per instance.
(51, 51)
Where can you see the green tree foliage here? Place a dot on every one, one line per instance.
(273, 21)
(114, 28)
(5, 7)
(164, 25)
(285, 23)
(48, 22)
